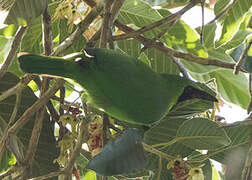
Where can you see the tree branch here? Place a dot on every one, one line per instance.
(106, 24)
(9, 171)
(37, 105)
(242, 57)
(246, 172)
(30, 111)
(47, 32)
(33, 143)
(12, 118)
(114, 13)
(16, 42)
(23, 82)
(168, 19)
(224, 11)
(48, 176)
(82, 26)
(171, 52)
(180, 67)
(82, 136)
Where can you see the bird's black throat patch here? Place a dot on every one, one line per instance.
(191, 92)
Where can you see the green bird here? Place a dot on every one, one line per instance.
(122, 86)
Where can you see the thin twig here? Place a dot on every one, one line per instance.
(48, 48)
(202, 21)
(37, 105)
(62, 97)
(106, 24)
(47, 32)
(104, 129)
(33, 143)
(82, 26)
(242, 57)
(23, 82)
(82, 137)
(160, 46)
(246, 172)
(224, 11)
(180, 67)
(110, 41)
(157, 152)
(250, 92)
(159, 167)
(171, 52)
(111, 126)
(116, 9)
(12, 118)
(164, 20)
(48, 176)
(114, 13)
(9, 171)
(168, 26)
(15, 44)
(54, 114)
(94, 38)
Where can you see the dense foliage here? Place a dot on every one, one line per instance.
(44, 121)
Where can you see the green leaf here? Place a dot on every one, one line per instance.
(183, 37)
(160, 62)
(5, 45)
(120, 156)
(156, 59)
(190, 107)
(63, 34)
(6, 157)
(32, 41)
(202, 133)
(233, 88)
(9, 31)
(203, 69)
(23, 12)
(237, 39)
(240, 137)
(131, 46)
(233, 19)
(235, 152)
(209, 35)
(164, 132)
(139, 13)
(90, 175)
(168, 3)
(46, 151)
(220, 5)
(247, 61)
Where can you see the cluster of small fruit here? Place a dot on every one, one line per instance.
(66, 143)
(182, 171)
(95, 135)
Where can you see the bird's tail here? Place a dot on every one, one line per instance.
(53, 66)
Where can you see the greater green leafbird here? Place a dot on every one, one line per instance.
(122, 86)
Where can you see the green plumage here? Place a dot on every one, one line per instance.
(124, 87)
